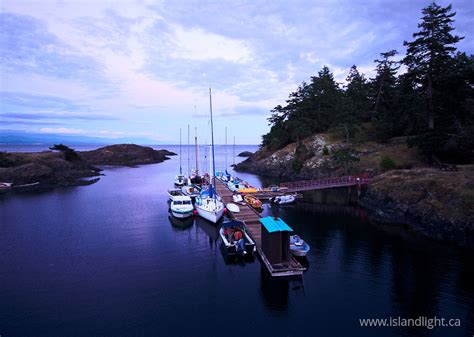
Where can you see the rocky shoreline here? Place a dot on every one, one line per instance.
(28, 171)
(437, 204)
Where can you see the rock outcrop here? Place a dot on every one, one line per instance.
(245, 154)
(52, 169)
(125, 155)
(436, 203)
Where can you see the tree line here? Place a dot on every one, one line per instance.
(431, 102)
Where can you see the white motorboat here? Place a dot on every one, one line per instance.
(284, 199)
(233, 207)
(182, 207)
(173, 193)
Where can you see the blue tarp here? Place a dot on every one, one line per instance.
(275, 225)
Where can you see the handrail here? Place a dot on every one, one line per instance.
(332, 181)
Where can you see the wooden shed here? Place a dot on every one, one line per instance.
(276, 240)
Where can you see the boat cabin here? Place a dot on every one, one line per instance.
(276, 240)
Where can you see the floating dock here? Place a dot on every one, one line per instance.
(251, 218)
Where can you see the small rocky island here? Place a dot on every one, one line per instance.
(245, 154)
(64, 166)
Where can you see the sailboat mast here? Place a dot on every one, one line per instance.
(226, 147)
(197, 154)
(212, 142)
(180, 169)
(234, 150)
(189, 169)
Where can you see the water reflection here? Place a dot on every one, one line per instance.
(180, 224)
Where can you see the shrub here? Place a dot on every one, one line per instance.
(387, 163)
(325, 151)
(69, 154)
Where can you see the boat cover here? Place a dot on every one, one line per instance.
(232, 223)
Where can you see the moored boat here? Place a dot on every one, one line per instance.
(284, 199)
(173, 193)
(182, 207)
(233, 208)
(190, 190)
(253, 201)
(235, 238)
(298, 246)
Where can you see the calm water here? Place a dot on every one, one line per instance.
(105, 260)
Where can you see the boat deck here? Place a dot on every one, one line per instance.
(251, 218)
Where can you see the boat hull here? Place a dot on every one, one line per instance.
(231, 249)
(212, 216)
(182, 215)
(299, 251)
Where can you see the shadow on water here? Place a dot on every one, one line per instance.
(181, 224)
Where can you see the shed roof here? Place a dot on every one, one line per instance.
(275, 225)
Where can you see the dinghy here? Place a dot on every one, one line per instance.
(253, 201)
(235, 238)
(233, 207)
(238, 198)
(284, 199)
(298, 246)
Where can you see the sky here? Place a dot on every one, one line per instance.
(142, 69)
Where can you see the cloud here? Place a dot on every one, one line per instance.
(199, 45)
(142, 66)
(54, 116)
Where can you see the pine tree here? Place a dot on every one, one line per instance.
(429, 56)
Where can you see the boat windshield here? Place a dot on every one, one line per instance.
(187, 202)
(177, 202)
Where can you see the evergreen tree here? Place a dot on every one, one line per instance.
(384, 95)
(429, 56)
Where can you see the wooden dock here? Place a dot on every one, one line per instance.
(251, 218)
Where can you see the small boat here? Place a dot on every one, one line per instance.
(235, 238)
(298, 246)
(182, 207)
(233, 207)
(249, 189)
(284, 199)
(180, 180)
(253, 201)
(173, 193)
(237, 198)
(190, 190)
(274, 188)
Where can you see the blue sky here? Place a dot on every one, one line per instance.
(142, 68)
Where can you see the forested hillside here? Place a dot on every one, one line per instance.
(426, 94)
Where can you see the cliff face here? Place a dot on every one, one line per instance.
(438, 204)
(313, 157)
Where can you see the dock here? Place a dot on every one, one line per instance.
(251, 218)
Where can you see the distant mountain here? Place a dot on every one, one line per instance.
(15, 137)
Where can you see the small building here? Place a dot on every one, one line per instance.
(276, 240)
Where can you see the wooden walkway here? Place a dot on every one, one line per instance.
(251, 218)
(319, 184)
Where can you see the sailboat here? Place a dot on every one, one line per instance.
(179, 180)
(208, 204)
